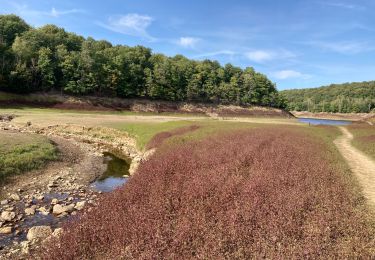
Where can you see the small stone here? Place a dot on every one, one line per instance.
(39, 232)
(54, 201)
(30, 211)
(58, 209)
(8, 215)
(70, 208)
(41, 197)
(6, 230)
(4, 202)
(43, 211)
(15, 197)
(80, 205)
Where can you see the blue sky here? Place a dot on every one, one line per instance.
(296, 43)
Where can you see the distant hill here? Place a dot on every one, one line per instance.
(356, 97)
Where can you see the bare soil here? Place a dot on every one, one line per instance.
(361, 165)
(75, 159)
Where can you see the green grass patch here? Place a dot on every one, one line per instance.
(23, 152)
(364, 138)
(143, 132)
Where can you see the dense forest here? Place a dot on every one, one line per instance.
(50, 59)
(353, 97)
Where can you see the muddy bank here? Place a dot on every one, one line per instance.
(91, 103)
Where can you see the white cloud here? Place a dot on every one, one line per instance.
(261, 56)
(287, 74)
(130, 24)
(188, 42)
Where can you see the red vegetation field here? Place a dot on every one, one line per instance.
(262, 193)
(159, 138)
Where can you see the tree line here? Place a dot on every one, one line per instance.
(356, 97)
(50, 59)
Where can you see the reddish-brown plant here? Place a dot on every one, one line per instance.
(159, 138)
(249, 194)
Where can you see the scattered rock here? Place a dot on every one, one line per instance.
(54, 201)
(43, 211)
(30, 211)
(15, 197)
(8, 215)
(58, 209)
(70, 208)
(6, 230)
(80, 205)
(41, 197)
(4, 202)
(39, 232)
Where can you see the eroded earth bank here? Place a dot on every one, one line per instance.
(35, 205)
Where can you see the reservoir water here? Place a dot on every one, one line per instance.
(314, 121)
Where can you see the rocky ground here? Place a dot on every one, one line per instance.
(35, 204)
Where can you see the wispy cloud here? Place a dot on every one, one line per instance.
(344, 47)
(261, 56)
(343, 5)
(288, 74)
(130, 24)
(25, 10)
(215, 53)
(188, 42)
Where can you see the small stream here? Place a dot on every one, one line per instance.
(116, 174)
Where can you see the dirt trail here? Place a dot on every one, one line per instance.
(361, 165)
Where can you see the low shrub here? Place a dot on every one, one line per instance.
(263, 193)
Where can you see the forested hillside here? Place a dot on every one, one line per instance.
(342, 98)
(50, 59)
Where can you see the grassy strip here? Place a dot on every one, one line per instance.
(259, 193)
(364, 138)
(23, 152)
(144, 132)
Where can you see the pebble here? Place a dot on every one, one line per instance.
(39, 232)
(30, 211)
(80, 205)
(58, 209)
(6, 230)
(8, 215)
